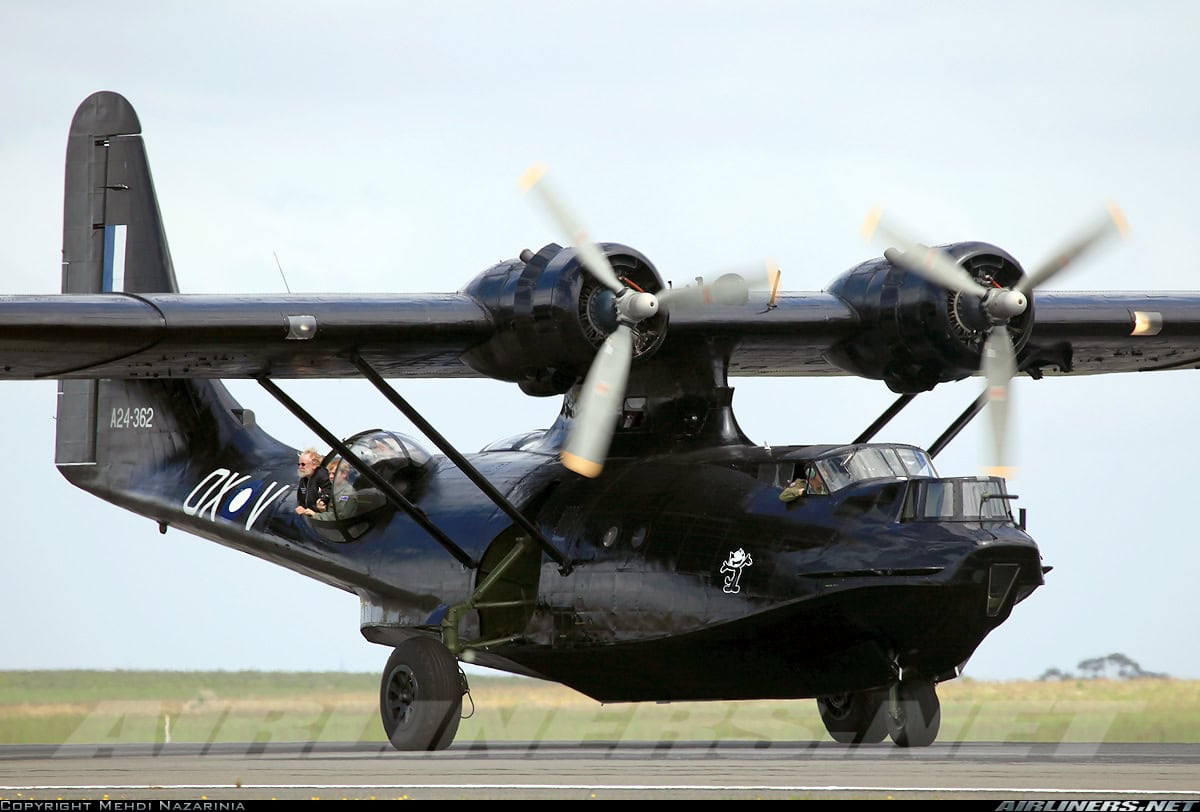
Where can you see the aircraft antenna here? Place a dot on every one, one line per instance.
(280, 267)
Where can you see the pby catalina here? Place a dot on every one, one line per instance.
(640, 548)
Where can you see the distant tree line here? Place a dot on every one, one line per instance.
(1114, 666)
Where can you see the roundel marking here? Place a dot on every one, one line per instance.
(239, 500)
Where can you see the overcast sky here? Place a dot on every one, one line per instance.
(377, 147)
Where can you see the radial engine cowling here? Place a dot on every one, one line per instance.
(551, 316)
(916, 334)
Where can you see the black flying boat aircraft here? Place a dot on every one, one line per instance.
(641, 547)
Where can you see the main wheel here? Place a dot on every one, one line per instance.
(854, 718)
(914, 714)
(420, 696)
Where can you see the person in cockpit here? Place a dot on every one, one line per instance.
(811, 482)
(816, 484)
(792, 491)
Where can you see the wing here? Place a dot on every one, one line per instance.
(429, 335)
(115, 335)
(1088, 333)
(1068, 333)
(538, 319)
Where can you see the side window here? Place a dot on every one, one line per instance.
(354, 507)
(879, 503)
(817, 483)
(930, 499)
(833, 473)
(778, 474)
(939, 501)
(357, 505)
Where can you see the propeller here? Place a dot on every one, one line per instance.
(728, 289)
(603, 391)
(999, 304)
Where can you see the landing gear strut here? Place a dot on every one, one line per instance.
(420, 696)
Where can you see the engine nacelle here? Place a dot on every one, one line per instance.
(551, 316)
(916, 334)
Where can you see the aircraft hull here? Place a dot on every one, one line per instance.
(852, 634)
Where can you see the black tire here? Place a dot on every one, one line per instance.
(420, 696)
(854, 718)
(914, 714)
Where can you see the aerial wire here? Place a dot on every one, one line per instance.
(280, 267)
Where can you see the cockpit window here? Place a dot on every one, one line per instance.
(873, 462)
(518, 442)
(916, 463)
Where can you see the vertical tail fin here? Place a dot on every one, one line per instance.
(113, 240)
(181, 452)
(114, 243)
(113, 236)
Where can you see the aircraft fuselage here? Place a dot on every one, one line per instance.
(690, 578)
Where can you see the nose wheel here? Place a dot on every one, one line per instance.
(914, 714)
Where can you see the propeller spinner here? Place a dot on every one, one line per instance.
(603, 391)
(1000, 304)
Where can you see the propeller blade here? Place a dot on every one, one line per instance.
(999, 367)
(599, 405)
(1113, 222)
(727, 289)
(590, 255)
(933, 264)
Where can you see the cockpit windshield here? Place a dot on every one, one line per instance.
(847, 467)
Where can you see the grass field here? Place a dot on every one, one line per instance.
(108, 707)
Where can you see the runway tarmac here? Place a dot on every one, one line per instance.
(625, 770)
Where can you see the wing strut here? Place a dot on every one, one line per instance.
(481, 482)
(884, 418)
(959, 424)
(394, 496)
